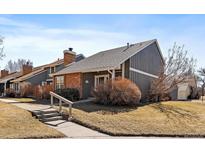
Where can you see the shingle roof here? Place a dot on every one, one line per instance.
(55, 63)
(36, 71)
(29, 75)
(104, 60)
(41, 69)
(10, 77)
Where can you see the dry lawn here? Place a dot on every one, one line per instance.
(22, 100)
(165, 119)
(18, 123)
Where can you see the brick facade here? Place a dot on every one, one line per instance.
(73, 80)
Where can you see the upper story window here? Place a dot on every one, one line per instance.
(59, 84)
(52, 69)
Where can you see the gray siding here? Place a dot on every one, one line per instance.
(88, 87)
(127, 69)
(142, 81)
(36, 80)
(148, 60)
(47, 73)
(59, 67)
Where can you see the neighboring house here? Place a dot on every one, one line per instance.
(140, 62)
(185, 90)
(5, 79)
(36, 76)
(41, 75)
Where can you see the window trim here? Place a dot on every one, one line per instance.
(59, 85)
(54, 69)
(106, 77)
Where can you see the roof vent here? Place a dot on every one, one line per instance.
(128, 45)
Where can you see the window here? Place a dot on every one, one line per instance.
(101, 79)
(59, 82)
(16, 87)
(12, 86)
(52, 69)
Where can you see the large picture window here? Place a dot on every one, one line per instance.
(59, 82)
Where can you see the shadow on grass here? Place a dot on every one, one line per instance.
(173, 112)
(103, 109)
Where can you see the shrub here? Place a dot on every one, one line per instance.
(42, 92)
(46, 91)
(37, 92)
(156, 98)
(71, 94)
(102, 93)
(10, 93)
(26, 89)
(118, 92)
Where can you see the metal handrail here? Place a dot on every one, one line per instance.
(61, 99)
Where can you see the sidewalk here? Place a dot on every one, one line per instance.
(70, 129)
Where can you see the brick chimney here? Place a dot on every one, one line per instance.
(69, 56)
(26, 68)
(4, 73)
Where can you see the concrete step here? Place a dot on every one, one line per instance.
(40, 112)
(55, 123)
(48, 115)
(51, 119)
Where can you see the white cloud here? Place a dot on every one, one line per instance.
(43, 45)
(9, 22)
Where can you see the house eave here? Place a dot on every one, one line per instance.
(88, 70)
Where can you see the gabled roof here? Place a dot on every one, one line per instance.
(29, 75)
(55, 63)
(109, 59)
(36, 71)
(10, 77)
(40, 69)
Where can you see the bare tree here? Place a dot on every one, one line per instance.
(1, 48)
(201, 79)
(178, 66)
(13, 66)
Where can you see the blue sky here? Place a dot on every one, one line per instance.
(42, 38)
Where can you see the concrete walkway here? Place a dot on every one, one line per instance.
(70, 129)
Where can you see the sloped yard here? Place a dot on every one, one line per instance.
(164, 119)
(18, 123)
